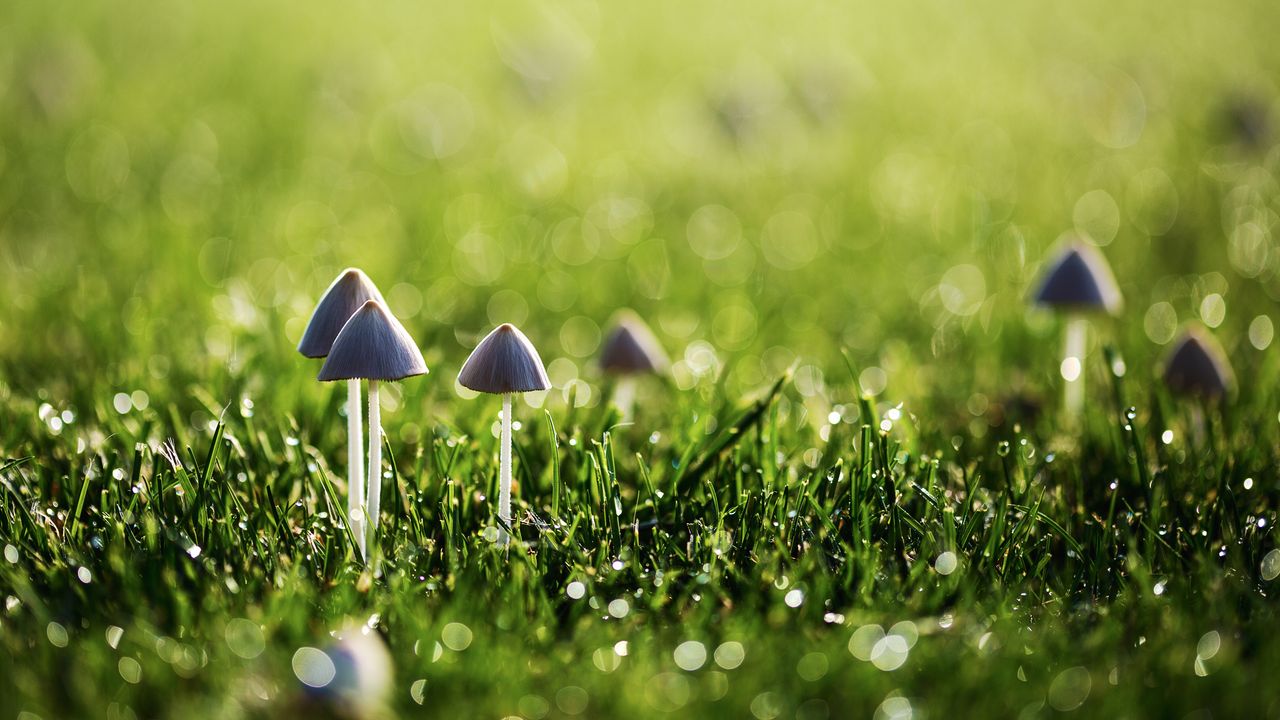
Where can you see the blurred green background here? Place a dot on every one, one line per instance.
(180, 181)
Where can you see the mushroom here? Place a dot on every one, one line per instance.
(630, 350)
(350, 677)
(373, 346)
(346, 294)
(1078, 282)
(1198, 366)
(504, 362)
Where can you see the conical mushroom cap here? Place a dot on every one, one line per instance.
(1198, 366)
(373, 345)
(347, 294)
(632, 348)
(504, 362)
(1080, 279)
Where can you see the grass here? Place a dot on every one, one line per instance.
(831, 218)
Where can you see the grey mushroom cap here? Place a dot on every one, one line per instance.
(1080, 279)
(632, 349)
(504, 362)
(373, 345)
(1198, 365)
(347, 294)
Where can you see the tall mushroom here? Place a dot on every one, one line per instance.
(630, 350)
(373, 346)
(505, 362)
(346, 294)
(1198, 366)
(1078, 282)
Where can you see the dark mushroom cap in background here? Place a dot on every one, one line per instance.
(1246, 118)
(373, 345)
(345, 296)
(362, 679)
(1079, 279)
(504, 362)
(1197, 365)
(632, 348)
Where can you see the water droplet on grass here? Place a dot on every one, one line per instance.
(244, 638)
(730, 655)
(690, 655)
(946, 563)
(57, 635)
(1070, 689)
(1271, 565)
(313, 667)
(456, 636)
(418, 690)
(863, 640)
(130, 670)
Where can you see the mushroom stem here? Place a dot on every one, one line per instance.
(355, 465)
(504, 474)
(1073, 364)
(1198, 434)
(624, 397)
(375, 459)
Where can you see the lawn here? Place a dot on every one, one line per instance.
(857, 492)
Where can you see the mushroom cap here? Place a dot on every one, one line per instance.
(1198, 365)
(373, 345)
(347, 294)
(504, 362)
(363, 672)
(1080, 279)
(632, 348)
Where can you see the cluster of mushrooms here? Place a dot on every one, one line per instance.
(1079, 283)
(360, 339)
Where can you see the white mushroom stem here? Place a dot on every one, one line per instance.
(1077, 335)
(375, 459)
(355, 465)
(624, 396)
(1198, 434)
(504, 474)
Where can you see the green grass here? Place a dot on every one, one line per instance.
(830, 216)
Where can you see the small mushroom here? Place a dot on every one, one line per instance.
(349, 678)
(1078, 283)
(505, 362)
(631, 350)
(1198, 366)
(346, 294)
(373, 346)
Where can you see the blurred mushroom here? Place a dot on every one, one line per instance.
(374, 346)
(630, 350)
(505, 362)
(1078, 283)
(1246, 120)
(359, 673)
(346, 294)
(1198, 366)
